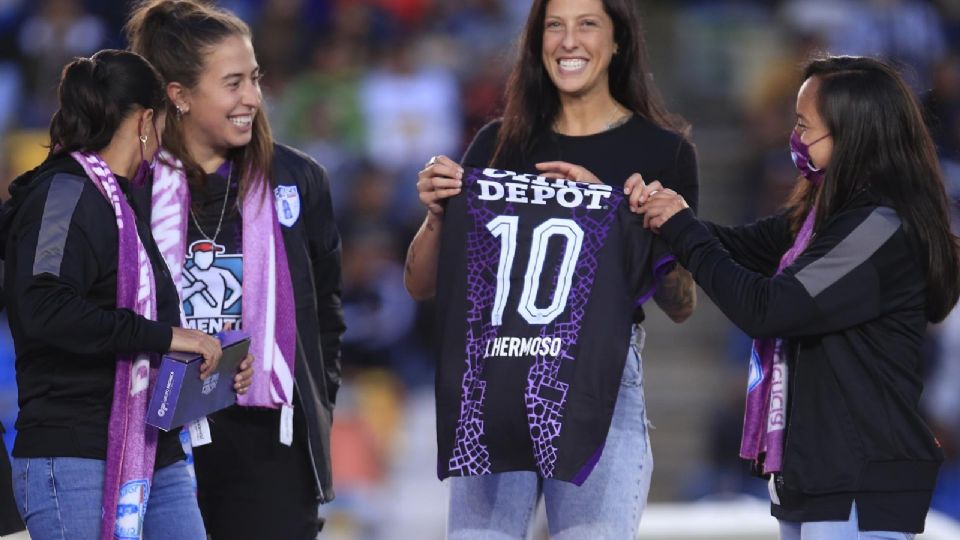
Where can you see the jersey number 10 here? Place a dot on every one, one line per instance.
(506, 228)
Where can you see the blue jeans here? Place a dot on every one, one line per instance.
(608, 504)
(835, 530)
(61, 498)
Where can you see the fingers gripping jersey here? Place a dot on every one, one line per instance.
(537, 283)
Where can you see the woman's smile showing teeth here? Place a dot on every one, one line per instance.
(577, 47)
(242, 121)
(572, 64)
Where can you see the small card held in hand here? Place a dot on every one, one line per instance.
(181, 397)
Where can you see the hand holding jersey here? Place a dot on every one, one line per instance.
(657, 203)
(440, 178)
(562, 169)
(537, 283)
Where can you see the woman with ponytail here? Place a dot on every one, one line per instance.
(246, 227)
(91, 307)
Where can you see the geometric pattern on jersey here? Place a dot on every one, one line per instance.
(531, 255)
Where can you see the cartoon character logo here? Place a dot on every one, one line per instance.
(213, 292)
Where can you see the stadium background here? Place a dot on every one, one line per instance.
(373, 88)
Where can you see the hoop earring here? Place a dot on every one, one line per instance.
(143, 140)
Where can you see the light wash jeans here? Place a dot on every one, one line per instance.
(835, 530)
(60, 498)
(608, 504)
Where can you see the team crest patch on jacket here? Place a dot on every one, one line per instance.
(288, 204)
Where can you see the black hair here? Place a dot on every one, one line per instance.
(880, 141)
(533, 102)
(97, 93)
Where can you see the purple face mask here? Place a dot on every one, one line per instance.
(800, 153)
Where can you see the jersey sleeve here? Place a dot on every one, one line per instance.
(648, 258)
(683, 176)
(481, 148)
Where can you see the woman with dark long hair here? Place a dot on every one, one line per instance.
(579, 99)
(837, 292)
(91, 307)
(246, 226)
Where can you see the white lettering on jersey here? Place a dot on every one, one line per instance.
(532, 189)
(514, 347)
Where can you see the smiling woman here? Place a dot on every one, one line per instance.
(579, 104)
(247, 229)
(218, 112)
(578, 46)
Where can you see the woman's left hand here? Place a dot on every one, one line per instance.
(569, 171)
(244, 376)
(660, 206)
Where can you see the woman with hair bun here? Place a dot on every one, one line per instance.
(91, 308)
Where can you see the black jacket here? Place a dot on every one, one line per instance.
(312, 245)
(851, 308)
(313, 255)
(58, 235)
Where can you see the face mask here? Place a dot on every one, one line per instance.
(800, 153)
(145, 170)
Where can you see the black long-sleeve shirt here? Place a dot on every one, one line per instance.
(59, 237)
(851, 309)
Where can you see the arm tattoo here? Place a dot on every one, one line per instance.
(677, 294)
(411, 256)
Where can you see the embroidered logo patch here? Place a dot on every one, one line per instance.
(131, 507)
(288, 204)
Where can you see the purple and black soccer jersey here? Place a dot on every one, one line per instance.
(537, 283)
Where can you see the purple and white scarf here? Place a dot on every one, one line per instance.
(131, 443)
(765, 417)
(269, 314)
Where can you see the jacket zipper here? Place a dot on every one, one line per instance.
(313, 291)
(791, 400)
(313, 461)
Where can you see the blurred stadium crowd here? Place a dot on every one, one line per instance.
(372, 88)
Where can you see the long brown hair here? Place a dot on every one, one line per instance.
(176, 36)
(880, 141)
(533, 102)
